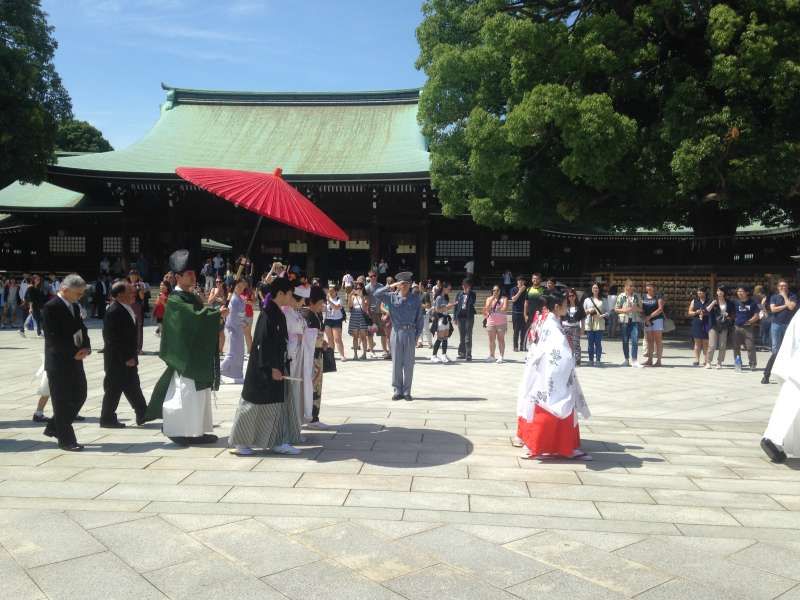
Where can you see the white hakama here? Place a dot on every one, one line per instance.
(186, 411)
(784, 423)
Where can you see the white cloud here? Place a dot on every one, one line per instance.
(173, 31)
(246, 7)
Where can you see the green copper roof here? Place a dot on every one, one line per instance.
(27, 197)
(306, 134)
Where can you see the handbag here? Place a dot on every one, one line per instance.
(669, 325)
(328, 361)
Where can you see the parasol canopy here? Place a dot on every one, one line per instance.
(266, 194)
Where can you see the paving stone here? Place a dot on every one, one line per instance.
(295, 465)
(478, 557)
(52, 489)
(592, 564)
(394, 530)
(666, 514)
(232, 463)
(699, 566)
(326, 580)
(104, 461)
(749, 486)
(210, 577)
(750, 533)
(680, 589)
(365, 551)
(20, 473)
(396, 483)
(602, 540)
(641, 481)
(274, 510)
(36, 538)
(589, 492)
(788, 502)
(485, 487)
(546, 476)
(165, 492)
(772, 559)
(498, 534)
(733, 499)
(197, 522)
(559, 585)
(407, 500)
(276, 495)
(148, 544)
(766, 518)
(90, 519)
(258, 548)
(441, 581)
(716, 546)
(16, 583)
(295, 524)
(415, 469)
(241, 478)
(100, 576)
(132, 476)
(7, 502)
(534, 506)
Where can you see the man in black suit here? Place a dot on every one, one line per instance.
(464, 315)
(66, 345)
(120, 357)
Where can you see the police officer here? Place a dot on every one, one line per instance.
(405, 310)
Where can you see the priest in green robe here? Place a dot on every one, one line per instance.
(189, 347)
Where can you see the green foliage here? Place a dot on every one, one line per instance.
(32, 99)
(611, 113)
(80, 136)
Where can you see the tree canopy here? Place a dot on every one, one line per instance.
(32, 98)
(80, 136)
(618, 113)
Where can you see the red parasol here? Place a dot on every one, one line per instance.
(267, 195)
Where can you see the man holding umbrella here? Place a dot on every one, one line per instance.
(405, 310)
(189, 347)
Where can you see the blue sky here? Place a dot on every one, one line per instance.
(113, 54)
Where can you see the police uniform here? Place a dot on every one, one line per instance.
(407, 323)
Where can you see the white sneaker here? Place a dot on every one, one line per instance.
(638, 365)
(491, 359)
(286, 449)
(445, 360)
(22, 334)
(625, 363)
(499, 361)
(317, 425)
(434, 359)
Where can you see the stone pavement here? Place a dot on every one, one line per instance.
(416, 500)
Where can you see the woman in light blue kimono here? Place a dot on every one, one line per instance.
(233, 365)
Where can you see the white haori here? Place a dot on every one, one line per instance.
(186, 411)
(302, 363)
(784, 423)
(549, 379)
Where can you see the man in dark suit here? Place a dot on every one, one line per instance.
(66, 345)
(464, 316)
(120, 357)
(101, 295)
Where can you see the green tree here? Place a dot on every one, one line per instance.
(80, 136)
(32, 98)
(613, 112)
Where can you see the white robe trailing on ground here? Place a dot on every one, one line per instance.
(784, 423)
(186, 412)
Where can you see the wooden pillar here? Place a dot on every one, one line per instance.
(374, 241)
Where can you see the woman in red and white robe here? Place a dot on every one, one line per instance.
(550, 398)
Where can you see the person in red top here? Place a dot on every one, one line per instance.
(249, 299)
(161, 304)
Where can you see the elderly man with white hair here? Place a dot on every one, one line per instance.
(66, 345)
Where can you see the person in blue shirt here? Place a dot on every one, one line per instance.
(745, 317)
(782, 307)
(405, 311)
(517, 298)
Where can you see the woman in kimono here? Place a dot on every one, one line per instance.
(782, 436)
(265, 417)
(550, 397)
(314, 322)
(233, 365)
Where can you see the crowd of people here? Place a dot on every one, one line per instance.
(208, 339)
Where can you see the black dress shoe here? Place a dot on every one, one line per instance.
(469, 359)
(207, 438)
(765, 379)
(113, 425)
(140, 420)
(775, 454)
(74, 447)
(397, 397)
(79, 418)
(40, 418)
(408, 398)
(49, 431)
